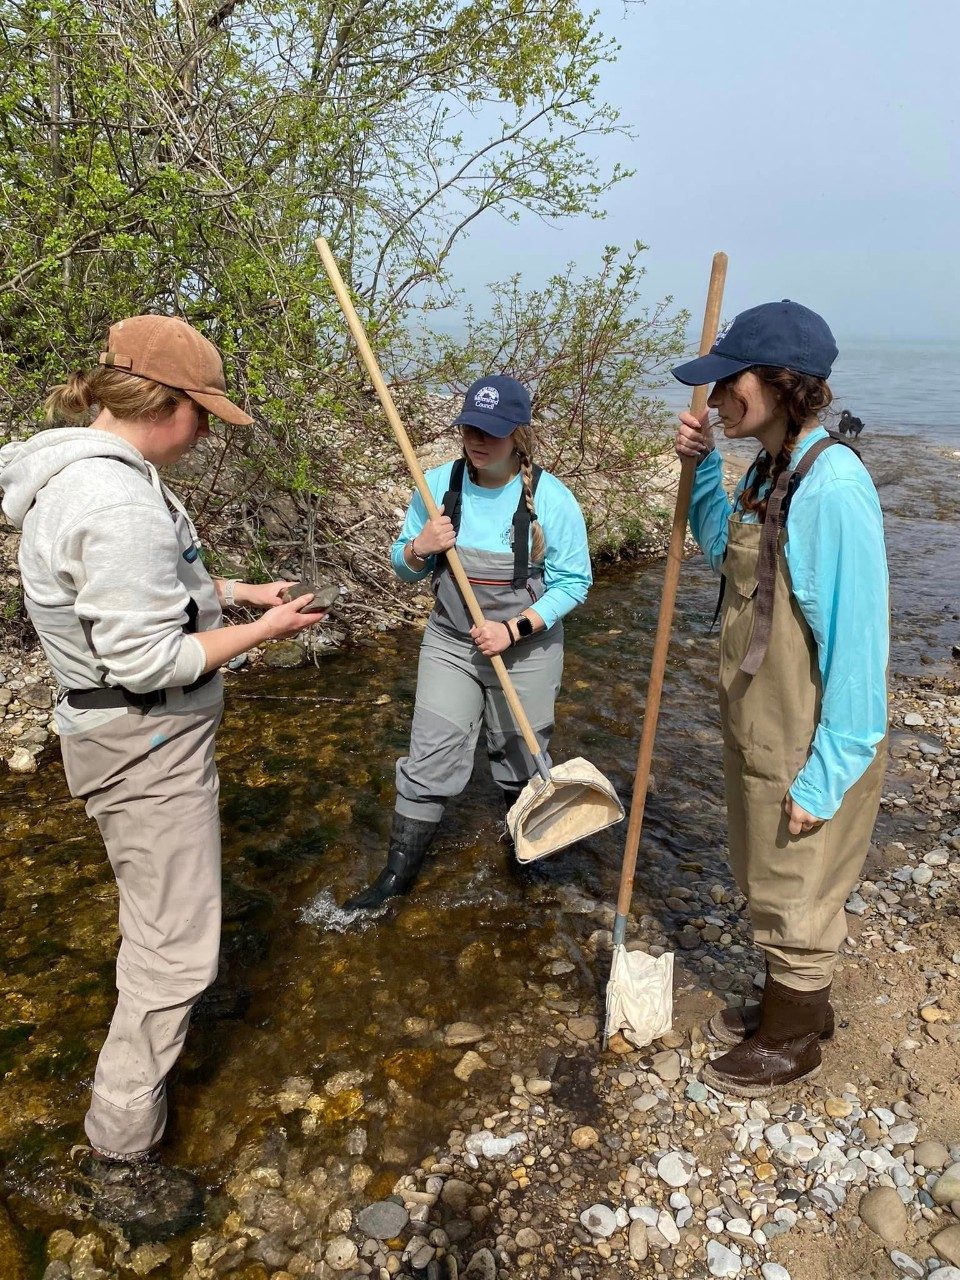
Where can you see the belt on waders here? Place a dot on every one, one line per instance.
(778, 508)
(521, 520)
(106, 697)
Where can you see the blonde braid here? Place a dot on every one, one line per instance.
(523, 447)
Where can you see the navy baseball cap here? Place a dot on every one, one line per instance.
(496, 405)
(783, 335)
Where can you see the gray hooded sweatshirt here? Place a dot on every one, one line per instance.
(110, 560)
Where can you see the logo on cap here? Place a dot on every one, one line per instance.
(487, 398)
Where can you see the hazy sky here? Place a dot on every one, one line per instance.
(816, 141)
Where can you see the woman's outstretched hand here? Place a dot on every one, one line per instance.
(284, 620)
(694, 437)
(260, 595)
(491, 638)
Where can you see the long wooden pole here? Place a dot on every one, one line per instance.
(641, 782)
(416, 471)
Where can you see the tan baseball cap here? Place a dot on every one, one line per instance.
(166, 349)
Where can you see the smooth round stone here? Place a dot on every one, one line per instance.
(931, 1154)
(537, 1088)
(774, 1271)
(904, 1134)
(922, 875)
(903, 1262)
(667, 1227)
(947, 1186)
(945, 1273)
(383, 1220)
(739, 1227)
(696, 1091)
(527, 1238)
(722, 1261)
(675, 1168)
(600, 1220)
(637, 1241)
(884, 1213)
(838, 1108)
(341, 1253)
(947, 1244)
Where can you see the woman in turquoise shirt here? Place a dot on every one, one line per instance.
(804, 644)
(522, 540)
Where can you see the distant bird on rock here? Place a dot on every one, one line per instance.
(849, 425)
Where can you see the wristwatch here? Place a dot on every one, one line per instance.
(524, 626)
(229, 590)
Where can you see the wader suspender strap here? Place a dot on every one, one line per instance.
(778, 505)
(521, 521)
(723, 580)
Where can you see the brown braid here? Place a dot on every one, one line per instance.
(523, 443)
(804, 398)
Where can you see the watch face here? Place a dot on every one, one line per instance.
(524, 627)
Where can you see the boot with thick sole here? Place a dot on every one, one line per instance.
(410, 838)
(730, 1025)
(148, 1200)
(785, 1050)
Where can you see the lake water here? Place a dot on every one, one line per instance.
(892, 385)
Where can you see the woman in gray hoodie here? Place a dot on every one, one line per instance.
(131, 624)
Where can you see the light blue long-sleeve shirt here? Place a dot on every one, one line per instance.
(486, 524)
(838, 568)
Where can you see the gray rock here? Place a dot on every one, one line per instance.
(458, 1195)
(883, 1212)
(637, 1241)
(774, 1271)
(383, 1220)
(600, 1220)
(723, 1261)
(482, 1266)
(270, 1250)
(285, 653)
(57, 1270)
(463, 1033)
(904, 1134)
(903, 1262)
(676, 1168)
(941, 1273)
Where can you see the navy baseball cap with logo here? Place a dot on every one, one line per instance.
(783, 335)
(496, 404)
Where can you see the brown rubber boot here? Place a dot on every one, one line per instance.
(785, 1049)
(730, 1026)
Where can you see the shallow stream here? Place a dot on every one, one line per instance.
(306, 762)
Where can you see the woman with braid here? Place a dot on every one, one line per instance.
(523, 543)
(804, 642)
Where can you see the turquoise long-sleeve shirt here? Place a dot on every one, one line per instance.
(838, 568)
(486, 524)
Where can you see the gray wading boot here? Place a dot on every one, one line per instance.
(410, 838)
(148, 1200)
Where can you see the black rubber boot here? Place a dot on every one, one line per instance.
(147, 1199)
(410, 838)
